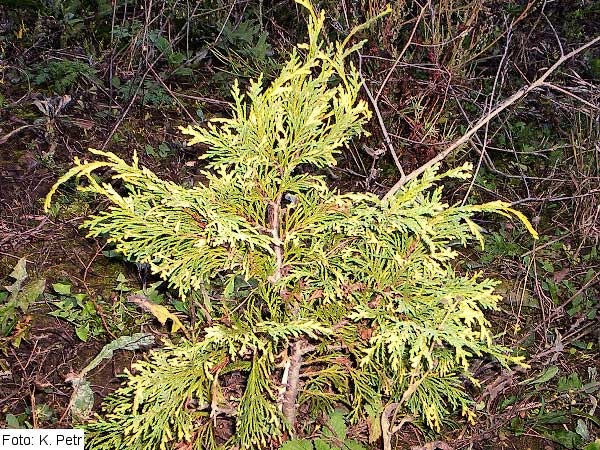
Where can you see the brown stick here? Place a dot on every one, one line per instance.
(402, 52)
(6, 137)
(293, 383)
(484, 120)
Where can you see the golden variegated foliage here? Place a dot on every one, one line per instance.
(310, 296)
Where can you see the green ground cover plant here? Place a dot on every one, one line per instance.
(311, 300)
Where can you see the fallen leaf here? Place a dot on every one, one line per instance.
(132, 342)
(82, 399)
(29, 294)
(560, 275)
(161, 313)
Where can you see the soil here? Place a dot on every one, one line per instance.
(35, 369)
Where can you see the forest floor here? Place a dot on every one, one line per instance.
(58, 97)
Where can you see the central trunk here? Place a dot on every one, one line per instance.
(293, 383)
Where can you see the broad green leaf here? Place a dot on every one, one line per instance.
(62, 288)
(593, 445)
(552, 418)
(570, 382)
(548, 374)
(83, 331)
(566, 438)
(321, 444)
(229, 287)
(353, 445)
(121, 278)
(13, 422)
(19, 272)
(79, 298)
(44, 412)
(29, 294)
(338, 424)
(82, 400)
(297, 444)
(582, 429)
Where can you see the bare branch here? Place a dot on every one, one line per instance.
(386, 136)
(292, 385)
(401, 55)
(570, 94)
(375, 99)
(487, 118)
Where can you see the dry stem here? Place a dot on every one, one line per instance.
(293, 382)
(541, 81)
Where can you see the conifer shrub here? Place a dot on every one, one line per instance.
(311, 299)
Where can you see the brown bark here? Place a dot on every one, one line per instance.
(293, 383)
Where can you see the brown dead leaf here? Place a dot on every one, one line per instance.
(161, 313)
(365, 333)
(315, 295)
(560, 275)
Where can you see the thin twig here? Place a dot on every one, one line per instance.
(225, 22)
(487, 118)
(483, 152)
(560, 46)
(570, 94)
(173, 95)
(402, 52)
(129, 105)
(554, 199)
(6, 137)
(386, 135)
(209, 100)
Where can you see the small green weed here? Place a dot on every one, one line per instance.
(72, 204)
(42, 412)
(161, 151)
(567, 407)
(16, 301)
(501, 244)
(174, 59)
(245, 51)
(76, 309)
(19, 421)
(150, 93)
(86, 314)
(334, 436)
(62, 76)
